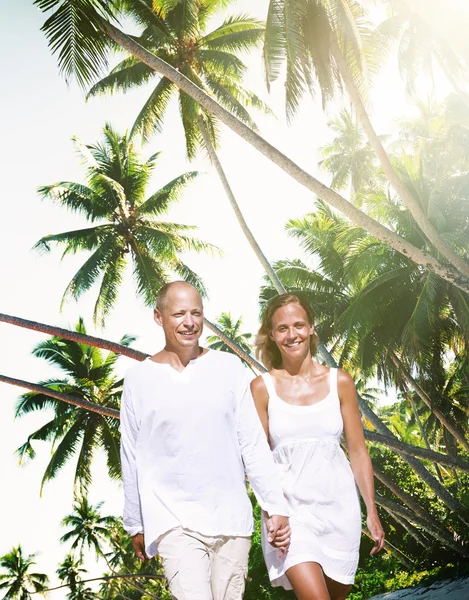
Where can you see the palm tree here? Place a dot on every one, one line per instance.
(70, 571)
(88, 374)
(419, 46)
(329, 42)
(17, 579)
(232, 329)
(76, 33)
(117, 179)
(349, 158)
(89, 530)
(209, 59)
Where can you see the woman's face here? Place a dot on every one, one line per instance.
(291, 331)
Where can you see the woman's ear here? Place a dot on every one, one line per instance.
(311, 330)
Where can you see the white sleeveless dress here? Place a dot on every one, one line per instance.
(318, 484)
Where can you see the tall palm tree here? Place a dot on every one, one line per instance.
(117, 180)
(88, 374)
(83, 34)
(88, 529)
(17, 579)
(329, 42)
(179, 35)
(232, 328)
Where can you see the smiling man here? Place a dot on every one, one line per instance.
(190, 432)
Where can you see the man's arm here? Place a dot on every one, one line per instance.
(132, 511)
(258, 460)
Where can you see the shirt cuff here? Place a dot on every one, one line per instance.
(276, 509)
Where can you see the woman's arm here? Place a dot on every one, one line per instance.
(261, 400)
(359, 457)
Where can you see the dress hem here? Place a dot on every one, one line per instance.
(277, 581)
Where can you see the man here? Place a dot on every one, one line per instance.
(189, 432)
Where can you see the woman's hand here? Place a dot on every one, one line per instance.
(376, 530)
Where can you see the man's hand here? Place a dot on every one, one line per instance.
(138, 542)
(279, 532)
(376, 529)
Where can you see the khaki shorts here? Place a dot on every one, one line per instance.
(200, 567)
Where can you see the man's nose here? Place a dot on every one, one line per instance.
(189, 321)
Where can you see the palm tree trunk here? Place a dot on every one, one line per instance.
(409, 201)
(411, 530)
(358, 217)
(424, 435)
(68, 398)
(405, 560)
(444, 538)
(239, 351)
(238, 214)
(444, 420)
(392, 443)
(74, 336)
(404, 497)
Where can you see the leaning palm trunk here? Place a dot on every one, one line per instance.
(361, 219)
(405, 498)
(444, 538)
(234, 346)
(409, 201)
(235, 206)
(424, 434)
(444, 420)
(68, 398)
(411, 530)
(74, 336)
(401, 557)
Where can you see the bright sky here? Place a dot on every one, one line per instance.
(39, 116)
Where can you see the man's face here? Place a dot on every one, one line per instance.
(181, 317)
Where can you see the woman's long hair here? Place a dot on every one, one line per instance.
(266, 349)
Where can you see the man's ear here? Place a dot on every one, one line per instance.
(157, 317)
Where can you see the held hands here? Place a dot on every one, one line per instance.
(279, 532)
(375, 528)
(138, 543)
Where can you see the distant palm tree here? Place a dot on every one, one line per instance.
(115, 196)
(89, 530)
(231, 328)
(88, 374)
(349, 157)
(419, 48)
(18, 581)
(70, 571)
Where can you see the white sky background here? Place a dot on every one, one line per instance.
(39, 114)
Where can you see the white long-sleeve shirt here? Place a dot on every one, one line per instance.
(187, 440)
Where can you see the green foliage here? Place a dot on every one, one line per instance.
(16, 580)
(177, 33)
(231, 328)
(87, 373)
(117, 179)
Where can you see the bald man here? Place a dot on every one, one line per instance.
(190, 434)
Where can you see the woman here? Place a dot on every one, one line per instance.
(304, 408)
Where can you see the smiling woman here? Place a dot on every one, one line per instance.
(304, 408)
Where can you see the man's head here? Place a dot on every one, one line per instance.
(179, 310)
